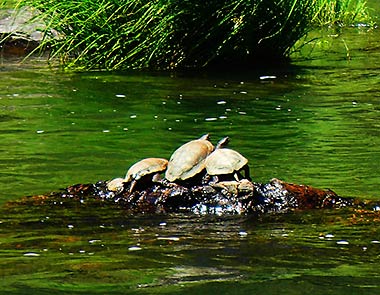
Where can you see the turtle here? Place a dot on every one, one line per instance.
(148, 168)
(116, 185)
(188, 160)
(226, 162)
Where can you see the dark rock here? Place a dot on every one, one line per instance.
(244, 197)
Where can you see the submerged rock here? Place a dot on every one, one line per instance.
(234, 197)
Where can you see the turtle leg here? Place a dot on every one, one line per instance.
(132, 186)
(161, 181)
(215, 179)
(236, 176)
(246, 172)
(157, 178)
(210, 179)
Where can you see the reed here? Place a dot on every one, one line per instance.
(343, 12)
(163, 34)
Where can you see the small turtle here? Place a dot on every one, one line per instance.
(116, 185)
(146, 168)
(225, 161)
(188, 160)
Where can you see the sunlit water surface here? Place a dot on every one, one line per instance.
(315, 122)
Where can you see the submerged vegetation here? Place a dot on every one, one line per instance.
(162, 34)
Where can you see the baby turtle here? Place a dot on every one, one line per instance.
(226, 162)
(149, 169)
(189, 159)
(116, 185)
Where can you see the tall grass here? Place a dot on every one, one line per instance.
(162, 34)
(340, 12)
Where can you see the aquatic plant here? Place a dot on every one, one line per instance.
(122, 34)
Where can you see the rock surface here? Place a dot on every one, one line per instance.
(22, 30)
(243, 197)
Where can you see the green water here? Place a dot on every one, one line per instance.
(316, 122)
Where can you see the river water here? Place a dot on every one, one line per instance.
(316, 122)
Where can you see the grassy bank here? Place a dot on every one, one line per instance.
(162, 34)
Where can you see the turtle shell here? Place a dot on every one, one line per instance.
(224, 161)
(116, 184)
(189, 159)
(145, 167)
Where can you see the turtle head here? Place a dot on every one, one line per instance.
(205, 136)
(223, 142)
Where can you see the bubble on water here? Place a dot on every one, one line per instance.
(168, 239)
(134, 248)
(211, 119)
(94, 241)
(269, 77)
(31, 254)
(243, 233)
(221, 102)
(120, 95)
(342, 242)
(40, 131)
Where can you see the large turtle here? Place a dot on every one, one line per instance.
(149, 168)
(189, 159)
(226, 162)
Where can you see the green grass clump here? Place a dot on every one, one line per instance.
(162, 34)
(340, 12)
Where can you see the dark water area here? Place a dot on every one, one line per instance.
(316, 122)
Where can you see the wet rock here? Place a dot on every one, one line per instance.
(233, 197)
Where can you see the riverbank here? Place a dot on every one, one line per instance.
(163, 35)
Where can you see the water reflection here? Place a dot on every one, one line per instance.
(101, 250)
